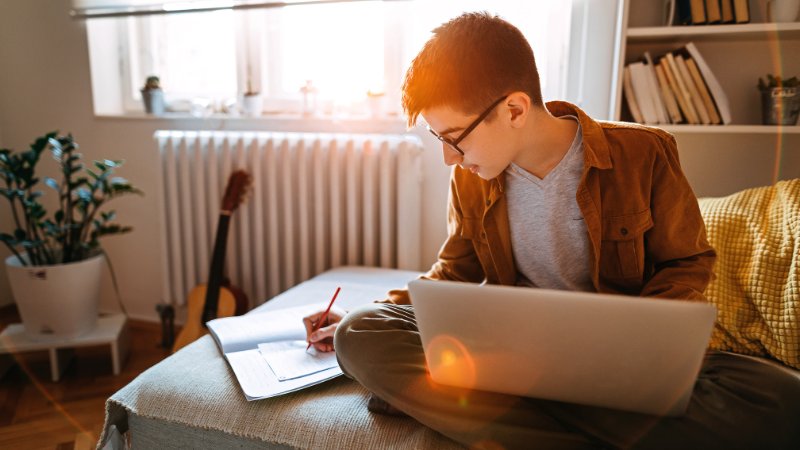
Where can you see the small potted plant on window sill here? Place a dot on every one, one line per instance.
(780, 100)
(56, 262)
(153, 96)
(252, 102)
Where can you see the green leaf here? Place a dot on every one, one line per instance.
(100, 166)
(20, 234)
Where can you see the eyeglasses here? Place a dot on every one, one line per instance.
(468, 130)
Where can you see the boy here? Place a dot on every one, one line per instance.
(542, 195)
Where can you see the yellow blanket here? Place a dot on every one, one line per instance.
(756, 233)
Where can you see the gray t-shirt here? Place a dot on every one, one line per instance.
(548, 233)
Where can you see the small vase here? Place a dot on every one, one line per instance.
(782, 10)
(56, 302)
(153, 101)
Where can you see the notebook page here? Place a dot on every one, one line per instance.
(289, 359)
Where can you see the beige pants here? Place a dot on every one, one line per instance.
(737, 402)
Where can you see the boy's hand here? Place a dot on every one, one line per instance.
(322, 339)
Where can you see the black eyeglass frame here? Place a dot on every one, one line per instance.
(468, 130)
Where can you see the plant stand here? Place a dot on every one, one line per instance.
(110, 329)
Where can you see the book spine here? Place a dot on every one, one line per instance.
(642, 91)
(698, 12)
(689, 111)
(704, 92)
(726, 6)
(693, 93)
(630, 96)
(713, 11)
(655, 91)
(741, 11)
(667, 94)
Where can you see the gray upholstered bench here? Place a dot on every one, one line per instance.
(192, 399)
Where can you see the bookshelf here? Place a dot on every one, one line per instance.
(738, 54)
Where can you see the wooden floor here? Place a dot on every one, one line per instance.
(36, 413)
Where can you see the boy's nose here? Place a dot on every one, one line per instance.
(450, 155)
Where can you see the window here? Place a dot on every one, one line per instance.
(335, 53)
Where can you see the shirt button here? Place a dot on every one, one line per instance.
(483, 234)
(488, 202)
(624, 231)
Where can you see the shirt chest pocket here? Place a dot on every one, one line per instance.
(622, 252)
(472, 229)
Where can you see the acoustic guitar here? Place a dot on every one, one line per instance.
(217, 298)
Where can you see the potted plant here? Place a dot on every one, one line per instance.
(56, 260)
(252, 102)
(153, 96)
(780, 100)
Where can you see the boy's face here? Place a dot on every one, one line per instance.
(487, 152)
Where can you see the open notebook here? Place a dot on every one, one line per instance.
(267, 352)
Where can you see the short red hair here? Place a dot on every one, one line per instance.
(469, 62)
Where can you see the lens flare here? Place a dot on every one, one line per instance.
(450, 362)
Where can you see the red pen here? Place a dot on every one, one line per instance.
(324, 315)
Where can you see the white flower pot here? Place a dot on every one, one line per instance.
(56, 302)
(252, 105)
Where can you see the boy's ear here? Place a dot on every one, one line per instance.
(520, 106)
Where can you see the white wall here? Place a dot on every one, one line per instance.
(45, 85)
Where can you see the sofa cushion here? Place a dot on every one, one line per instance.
(756, 233)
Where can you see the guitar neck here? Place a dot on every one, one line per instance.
(215, 273)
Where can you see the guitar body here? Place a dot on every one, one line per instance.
(242, 303)
(194, 329)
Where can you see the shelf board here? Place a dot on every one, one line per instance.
(732, 129)
(789, 30)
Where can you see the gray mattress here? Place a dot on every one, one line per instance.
(192, 399)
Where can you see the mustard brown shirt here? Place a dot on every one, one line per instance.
(646, 234)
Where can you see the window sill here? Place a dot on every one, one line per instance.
(271, 122)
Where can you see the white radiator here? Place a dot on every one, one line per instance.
(318, 201)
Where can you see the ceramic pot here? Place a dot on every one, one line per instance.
(56, 302)
(782, 10)
(153, 101)
(252, 105)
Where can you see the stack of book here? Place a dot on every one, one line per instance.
(709, 12)
(677, 87)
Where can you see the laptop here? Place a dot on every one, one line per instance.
(627, 353)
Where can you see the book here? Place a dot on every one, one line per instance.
(691, 12)
(676, 81)
(249, 341)
(703, 89)
(741, 11)
(694, 95)
(655, 90)
(630, 96)
(726, 7)
(669, 97)
(641, 88)
(715, 89)
(713, 11)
